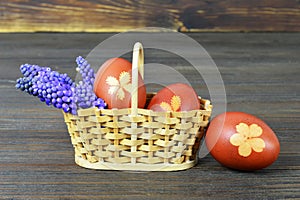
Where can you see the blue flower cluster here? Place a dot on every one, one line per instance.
(84, 94)
(60, 90)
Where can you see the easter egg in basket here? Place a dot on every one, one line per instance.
(175, 97)
(113, 84)
(242, 141)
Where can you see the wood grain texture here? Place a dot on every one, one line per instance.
(261, 76)
(122, 15)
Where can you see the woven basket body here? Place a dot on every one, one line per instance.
(151, 141)
(137, 139)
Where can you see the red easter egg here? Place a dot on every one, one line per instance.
(242, 141)
(113, 84)
(175, 97)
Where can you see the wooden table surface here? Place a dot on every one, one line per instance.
(261, 73)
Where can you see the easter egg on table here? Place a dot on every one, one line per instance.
(242, 141)
(113, 84)
(175, 97)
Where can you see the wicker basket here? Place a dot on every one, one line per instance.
(137, 139)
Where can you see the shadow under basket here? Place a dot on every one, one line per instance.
(112, 139)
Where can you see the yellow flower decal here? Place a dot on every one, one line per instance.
(247, 139)
(119, 86)
(175, 104)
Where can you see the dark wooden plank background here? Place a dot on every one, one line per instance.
(122, 15)
(261, 75)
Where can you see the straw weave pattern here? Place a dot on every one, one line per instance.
(113, 136)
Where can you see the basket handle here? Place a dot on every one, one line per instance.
(137, 66)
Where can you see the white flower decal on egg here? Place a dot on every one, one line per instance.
(174, 106)
(247, 139)
(119, 86)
